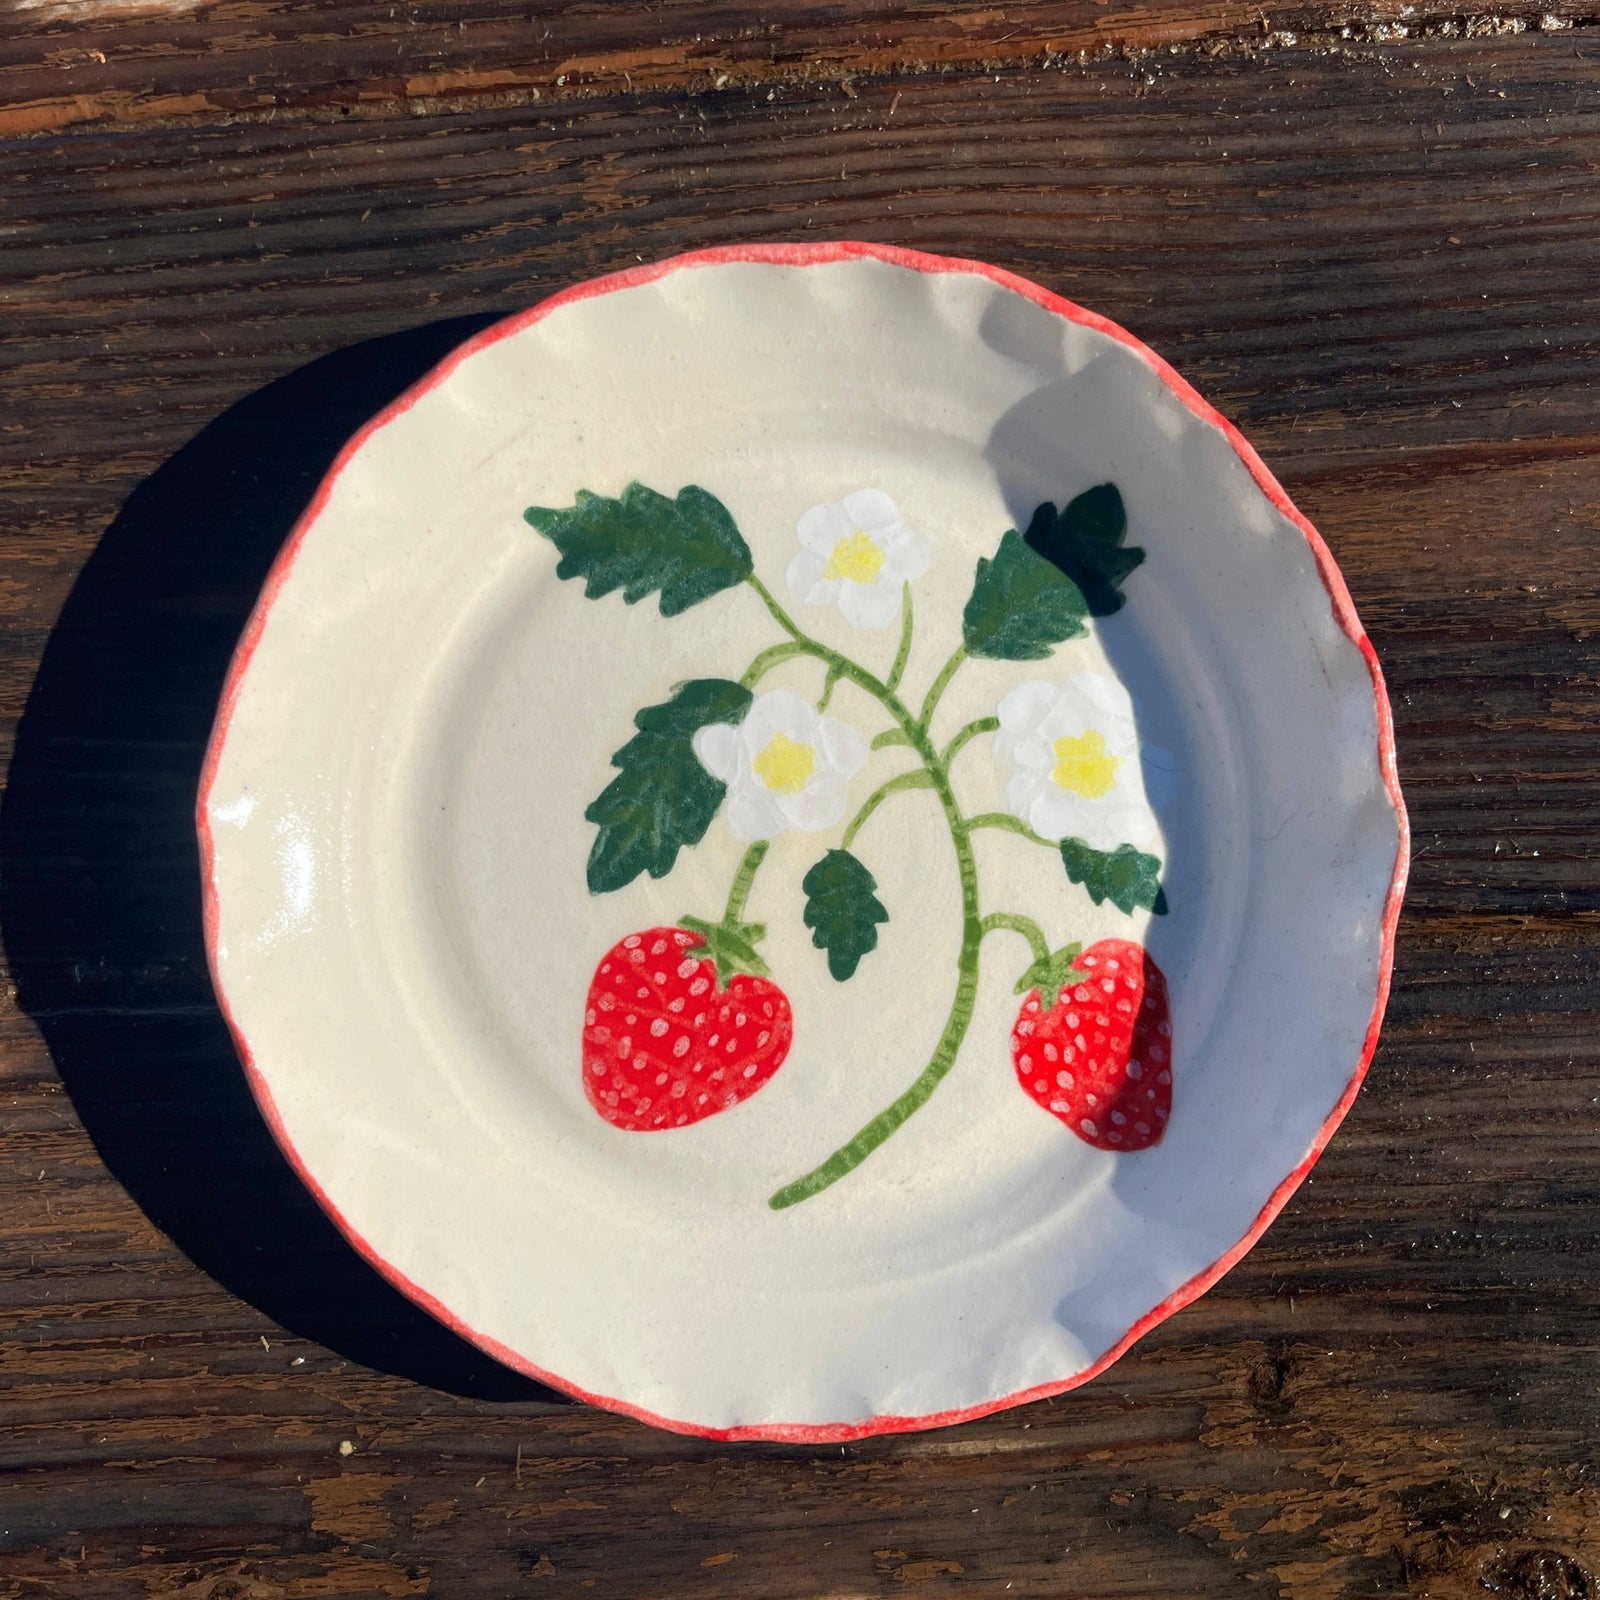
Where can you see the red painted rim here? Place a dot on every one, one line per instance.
(806, 255)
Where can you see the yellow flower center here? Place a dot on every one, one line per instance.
(785, 766)
(1082, 765)
(856, 558)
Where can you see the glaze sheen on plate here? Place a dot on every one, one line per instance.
(935, 679)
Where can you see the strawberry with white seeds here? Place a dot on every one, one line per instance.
(666, 1043)
(1098, 1056)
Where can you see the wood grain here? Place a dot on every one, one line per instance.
(64, 62)
(1383, 260)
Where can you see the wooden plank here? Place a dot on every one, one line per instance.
(64, 62)
(1383, 269)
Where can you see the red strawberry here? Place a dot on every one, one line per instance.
(1100, 1056)
(663, 1046)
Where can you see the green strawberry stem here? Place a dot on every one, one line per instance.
(940, 684)
(917, 778)
(1003, 819)
(915, 729)
(850, 1156)
(739, 891)
(903, 654)
(1026, 926)
(731, 943)
(965, 737)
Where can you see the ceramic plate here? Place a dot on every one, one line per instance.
(803, 842)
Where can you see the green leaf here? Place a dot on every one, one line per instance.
(1084, 542)
(1128, 878)
(1021, 606)
(842, 911)
(662, 799)
(688, 548)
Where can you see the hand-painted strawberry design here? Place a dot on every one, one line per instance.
(665, 1045)
(682, 1022)
(1099, 1057)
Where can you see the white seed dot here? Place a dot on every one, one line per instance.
(1063, 1080)
(1093, 1099)
(660, 977)
(641, 994)
(1088, 1127)
(1051, 1053)
(658, 1027)
(1023, 1029)
(699, 986)
(733, 1044)
(1108, 985)
(631, 942)
(714, 1039)
(658, 947)
(605, 967)
(1161, 1113)
(1072, 1019)
(1118, 1118)
(700, 1100)
(1040, 1085)
(686, 969)
(1136, 1069)
(1058, 1105)
(1164, 1029)
(588, 1017)
(750, 1071)
(625, 1048)
(1114, 1136)
(630, 1019)
(661, 1078)
(679, 1089)
(675, 1005)
(1141, 1127)
(1163, 1077)
(681, 1120)
(680, 1046)
(636, 956)
(1025, 1062)
(761, 1038)
(608, 1002)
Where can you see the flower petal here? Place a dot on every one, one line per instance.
(819, 805)
(870, 510)
(752, 812)
(805, 579)
(842, 746)
(717, 746)
(870, 605)
(778, 711)
(1020, 714)
(821, 527)
(907, 554)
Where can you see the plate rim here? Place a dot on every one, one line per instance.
(815, 253)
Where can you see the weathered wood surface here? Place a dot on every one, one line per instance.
(1383, 260)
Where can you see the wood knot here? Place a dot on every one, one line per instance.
(1539, 1575)
(1266, 1382)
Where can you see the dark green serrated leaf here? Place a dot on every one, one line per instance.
(1128, 878)
(842, 911)
(1084, 541)
(1021, 606)
(662, 799)
(688, 549)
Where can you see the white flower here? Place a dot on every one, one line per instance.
(857, 554)
(786, 765)
(1073, 750)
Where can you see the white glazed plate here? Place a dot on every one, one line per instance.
(897, 922)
